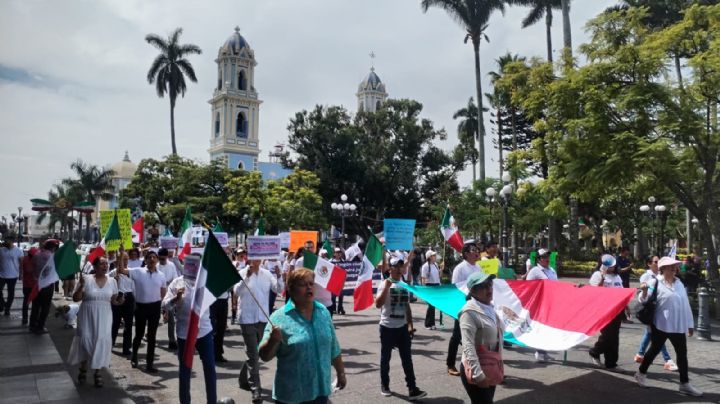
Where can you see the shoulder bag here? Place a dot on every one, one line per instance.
(646, 314)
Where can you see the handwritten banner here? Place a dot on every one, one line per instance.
(263, 247)
(490, 266)
(399, 233)
(125, 222)
(298, 238)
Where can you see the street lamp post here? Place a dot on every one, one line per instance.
(504, 199)
(344, 209)
(654, 211)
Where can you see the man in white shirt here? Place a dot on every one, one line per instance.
(470, 253)
(171, 272)
(124, 312)
(609, 341)
(10, 266)
(254, 289)
(430, 276)
(542, 271)
(240, 262)
(150, 286)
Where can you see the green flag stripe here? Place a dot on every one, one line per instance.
(67, 261)
(373, 251)
(309, 260)
(446, 218)
(113, 231)
(221, 273)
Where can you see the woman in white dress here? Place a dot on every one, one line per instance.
(93, 338)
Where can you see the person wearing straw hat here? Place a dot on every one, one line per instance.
(252, 290)
(673, 318)
(609, 341)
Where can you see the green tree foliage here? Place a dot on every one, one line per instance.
(169, 69)
(94, 181)
(166, 187)
(385, 161)
(631, 120)
(290, 203)
(467, 134)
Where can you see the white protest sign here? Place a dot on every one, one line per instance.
(263, 247)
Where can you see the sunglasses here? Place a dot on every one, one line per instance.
(655, 261)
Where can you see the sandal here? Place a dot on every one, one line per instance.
(98, 379)
(82, 376)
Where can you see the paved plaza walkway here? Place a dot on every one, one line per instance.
(33, 369)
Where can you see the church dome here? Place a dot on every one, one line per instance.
(372, 82)
(125, 168)
(234, 44)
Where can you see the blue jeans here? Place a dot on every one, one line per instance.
(396, 338)
(646, 341)
(204, 346)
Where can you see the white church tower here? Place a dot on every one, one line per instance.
(235, 106)
(371, 92)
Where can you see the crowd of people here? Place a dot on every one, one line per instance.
(133, 291)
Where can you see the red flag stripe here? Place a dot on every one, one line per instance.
(456, 241)
(363, 296)
(193, 329)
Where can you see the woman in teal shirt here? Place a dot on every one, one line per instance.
(302, 336)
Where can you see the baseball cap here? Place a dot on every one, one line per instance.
(542, 252)
(607, 261)
(337, 249)
(429, 254)
(477, 278)
(394, 261)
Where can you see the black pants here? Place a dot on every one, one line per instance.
(396, 338)
(146, 314)
(453, 345)
(218, 318)
(609, 342)
(478, 395)
(41, 308)
(678, 341)
(6, 304)
(124, 313)
(430, 313)
(26, 304)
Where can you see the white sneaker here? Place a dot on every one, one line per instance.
(539, 357)
(670, 365)
(641, 380)
(596, 361)
(687, 388)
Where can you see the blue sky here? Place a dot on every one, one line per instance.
(72, 73)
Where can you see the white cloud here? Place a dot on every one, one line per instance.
(97, 102)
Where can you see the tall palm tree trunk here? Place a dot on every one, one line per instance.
(481, 124)
(500, 145)
(548, 32)
(172, 126)
(567, 35)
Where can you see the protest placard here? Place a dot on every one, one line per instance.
(263, 247)
(221, 237)
(285, 240)
(170, 243)
(298, 238)
(399, 233)
(125, 223)
(191, 266)
(352, 268)
(490, 266)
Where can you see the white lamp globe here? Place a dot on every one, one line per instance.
(343, 197)
(506, 177)
(644, 208)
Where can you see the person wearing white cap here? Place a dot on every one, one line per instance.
(646, 278)
(430, 276)
(470, 253)
(609, 341)
(542, 270)
(673, 318)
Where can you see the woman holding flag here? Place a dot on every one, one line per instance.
(179, 299)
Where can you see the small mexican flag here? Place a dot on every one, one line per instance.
(64, 262)
(186, 234)
(363, 294)
(327, 247)
(112, 234)
(260, 231)
(450, 231)
(327, 274)
(217, 274)
(138, 230)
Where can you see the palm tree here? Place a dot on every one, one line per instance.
(169, 69)
(62, 197)
(473, 16)
(567, 35)
(467, 131)
(501, 100)
(538, 10)
(94, 182)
